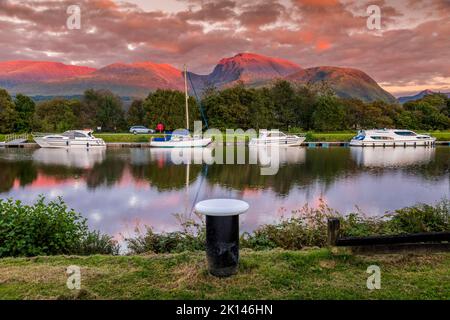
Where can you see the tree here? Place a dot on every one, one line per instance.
(8, 113)
(306, 100)
(54, 116)
(285, 103)
(107, 107)
(168, 107)
(429, 116)
(25, 108)
(262, 110)
(329, 114)
(136, 113)
(230, 108)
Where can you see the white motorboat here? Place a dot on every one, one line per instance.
(70, 139)
(181, 138)
(391, 138)
(276, 138)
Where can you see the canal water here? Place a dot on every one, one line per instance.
(120, 189)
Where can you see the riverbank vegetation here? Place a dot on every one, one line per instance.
(51, 228)
(305, 227)
(48, 228)
(173, 265)
(283, 105)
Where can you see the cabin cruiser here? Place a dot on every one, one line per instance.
(276, 138)
(180, 139)
(391, 137)
(70, 139)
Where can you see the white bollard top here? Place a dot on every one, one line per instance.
(221, 207)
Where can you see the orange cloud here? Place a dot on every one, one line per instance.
(322, 45)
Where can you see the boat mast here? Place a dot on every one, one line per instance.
(186, 97)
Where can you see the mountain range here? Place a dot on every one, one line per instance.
(420, 95)
(138, 79)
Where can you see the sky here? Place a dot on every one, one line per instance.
(408, 53)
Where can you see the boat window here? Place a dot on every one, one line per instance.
(79, 135)
(404, 133)
(381, 138)
(274, 134)
(69, 134)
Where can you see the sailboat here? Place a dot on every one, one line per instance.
(181, 138)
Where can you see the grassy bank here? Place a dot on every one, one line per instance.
(275, 274)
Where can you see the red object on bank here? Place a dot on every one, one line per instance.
(160, 127)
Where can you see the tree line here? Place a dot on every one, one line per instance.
(283, 105)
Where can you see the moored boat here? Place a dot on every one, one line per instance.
(180, 139)
(391, 138)
(70, 139)
(276, 138)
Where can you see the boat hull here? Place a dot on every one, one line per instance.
(80, 144)
(288, 142)
(194, 143)
(397, 143)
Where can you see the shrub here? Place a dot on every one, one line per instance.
(421, 218)
(191, 238)
(46, 229)
(305, 228)
(96, 243)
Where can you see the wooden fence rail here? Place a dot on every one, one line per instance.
(436, 241)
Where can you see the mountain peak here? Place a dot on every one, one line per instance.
(251, 68)
(27, 70)
(419, 95)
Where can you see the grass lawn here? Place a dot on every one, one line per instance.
(276, 274)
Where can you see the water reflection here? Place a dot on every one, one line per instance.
(117, 188)
(77, 158)
(388, 157)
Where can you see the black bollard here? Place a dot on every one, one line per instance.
(222, 245)
(222, 234)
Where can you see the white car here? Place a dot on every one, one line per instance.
(141, 130)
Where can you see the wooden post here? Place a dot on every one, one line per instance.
(333, 231)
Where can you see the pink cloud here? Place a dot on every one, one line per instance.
(412, 46)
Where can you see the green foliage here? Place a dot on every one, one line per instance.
(25, 108)
(55, 116)
(282, 105)
(47, 229)
(428, 113)
(8, 115)
(422, 218)
(168, 107)
(306, 227)
(190, 238)
(94, 242)
(329, 114)
(136, 113)
(109, 112)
